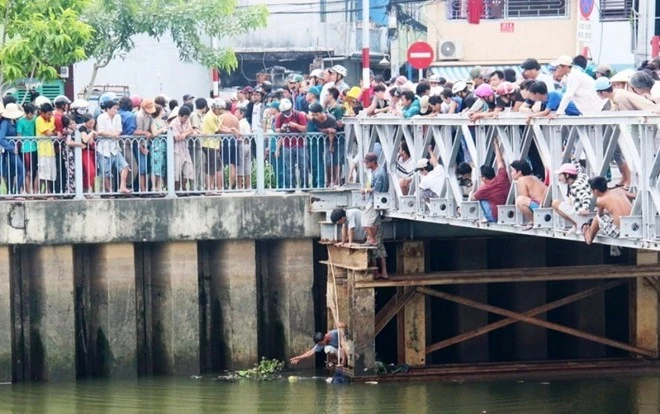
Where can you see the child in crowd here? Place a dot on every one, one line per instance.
(88, 137)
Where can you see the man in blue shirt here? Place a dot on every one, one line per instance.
(550, 101)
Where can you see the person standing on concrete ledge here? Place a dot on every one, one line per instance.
(377, 182)
(352, 231)
(328, 343)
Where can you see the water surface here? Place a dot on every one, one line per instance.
(616, 395)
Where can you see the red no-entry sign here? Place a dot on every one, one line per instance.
(420, 55)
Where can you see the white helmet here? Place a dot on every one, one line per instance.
(285, 105)
(459, 87)
(40, 100)
(79, 104)
(317, 73)
(339, 69)
(218, 104)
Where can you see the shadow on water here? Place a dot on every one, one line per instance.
(177, 395)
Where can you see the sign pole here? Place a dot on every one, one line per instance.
(421, 75)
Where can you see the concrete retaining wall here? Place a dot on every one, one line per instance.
(154, 220)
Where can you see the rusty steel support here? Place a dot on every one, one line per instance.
(535, 321)
(532, 312)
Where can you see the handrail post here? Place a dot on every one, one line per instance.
(170, 164)
(261, 159)
(78, 165)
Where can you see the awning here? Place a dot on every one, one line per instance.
(456, 73)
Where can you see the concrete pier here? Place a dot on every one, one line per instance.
(174, 308)
(5, 315)
(233, 302)
(287, 269)
(49, 351)
(112, 321)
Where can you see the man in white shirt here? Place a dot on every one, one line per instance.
(579, 86)
(109, 130)
(432, 177)
(531, 70)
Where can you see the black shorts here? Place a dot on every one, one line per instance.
(213, 162)
(229, 151)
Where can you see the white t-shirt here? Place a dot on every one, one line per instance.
(108, 146)
(434, 180)
(244, 127)
(256, 116)
(354, 222)
(405, 169)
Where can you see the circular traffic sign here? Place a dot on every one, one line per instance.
(420, 55)
(586, 7)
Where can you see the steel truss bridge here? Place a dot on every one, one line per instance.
(593, 139)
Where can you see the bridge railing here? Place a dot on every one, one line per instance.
(606, 144)
(52, 167)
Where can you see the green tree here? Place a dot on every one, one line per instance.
(189, 24)
(37, 37)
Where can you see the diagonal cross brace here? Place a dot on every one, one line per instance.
(537, 322)
(532, 312)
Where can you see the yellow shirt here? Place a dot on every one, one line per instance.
(45, 147)
(210, 126)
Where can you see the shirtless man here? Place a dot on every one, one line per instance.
(611, 204)
(531, 190)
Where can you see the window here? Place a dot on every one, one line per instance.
(510, 9)
(615, 9)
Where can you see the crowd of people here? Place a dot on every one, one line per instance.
(571, 87)
(123, 141)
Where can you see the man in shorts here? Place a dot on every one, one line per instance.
(212, 125)
(531, 191)
(109, 129)
(612, 205)
(328, 343)
(183, 165)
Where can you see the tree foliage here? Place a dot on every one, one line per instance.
(37, 37)
(190, 24)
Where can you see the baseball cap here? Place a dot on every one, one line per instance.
(602, 84)
(563, 61)
(247, 89)
(604, 69)
(285, 105)
(188, 97)
(530, 64)
(476, 72)
(315, 90)
(421, 164)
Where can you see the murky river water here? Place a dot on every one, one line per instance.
(617, 395)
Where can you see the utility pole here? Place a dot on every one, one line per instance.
(365, 49)
(393, 34)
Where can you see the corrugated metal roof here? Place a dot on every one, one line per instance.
(455, 73)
